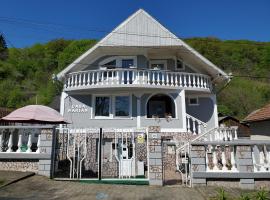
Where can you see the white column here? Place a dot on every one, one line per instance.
(10, 142)
(138, 97)
(215, 162)
(84, 74)
(233, 160)
(194, 126)
(19, 142)
(38, 143)
(29, 143)
(207, 161)
(223, 158)
(88, 78)
(80, 79)
(188, 124)
(163, 78)
(1, 141)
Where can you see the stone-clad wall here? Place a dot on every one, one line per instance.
(39, 163)
(245, 164)
(197, 157)
(28, 165)
(245, 177)
(44, 165)
(155, 159)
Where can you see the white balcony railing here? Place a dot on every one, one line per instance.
(138, 78)
(195, 126)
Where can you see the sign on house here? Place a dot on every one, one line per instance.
(78, 108)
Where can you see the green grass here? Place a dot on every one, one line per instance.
(119, 182)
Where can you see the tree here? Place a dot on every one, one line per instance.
(3, 48)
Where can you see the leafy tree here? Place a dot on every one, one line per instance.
(3, 48)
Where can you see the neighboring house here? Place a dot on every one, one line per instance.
(259, 122)
(229, 121)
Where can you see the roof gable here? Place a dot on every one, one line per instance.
(141, 29)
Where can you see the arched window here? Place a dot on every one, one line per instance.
(161, 106)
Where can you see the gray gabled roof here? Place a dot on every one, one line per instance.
(141, 29)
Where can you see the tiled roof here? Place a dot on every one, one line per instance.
(259, 115)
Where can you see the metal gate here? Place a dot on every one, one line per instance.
(101, 154)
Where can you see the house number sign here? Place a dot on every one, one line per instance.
(78, 108)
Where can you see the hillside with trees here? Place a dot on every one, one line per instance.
(26, 73)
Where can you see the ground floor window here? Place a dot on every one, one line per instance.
(112, 106)
(122, 106)
(160, 106)
(102, 106)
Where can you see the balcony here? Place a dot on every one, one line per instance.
(119, 78)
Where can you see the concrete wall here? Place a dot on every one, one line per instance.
(84, 120)
(205, 111)
(260, 130)
(142, 63)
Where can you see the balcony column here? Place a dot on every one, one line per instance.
(38, 143)
(10, 142)
(233, 160)
(215, 161)
(29, 143)
(138, 97)
(19, 142)
(1, 141)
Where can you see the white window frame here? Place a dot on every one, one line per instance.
(183, 64)
(130, 106)
(192, 104)
(118, 61)
(94, 107)
(160, 61)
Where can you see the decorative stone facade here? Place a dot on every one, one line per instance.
(19, 165)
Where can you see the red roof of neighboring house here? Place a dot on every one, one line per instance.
(259, 115)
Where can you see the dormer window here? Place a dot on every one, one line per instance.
(158, 64)
(110, 65)
(179, 65)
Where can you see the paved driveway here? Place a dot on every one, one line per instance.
(38, 187)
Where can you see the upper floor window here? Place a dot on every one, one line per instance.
(119, 61)
(193, 101)
(127, 63)
(110, 64)
(179, 65)
(158, 64)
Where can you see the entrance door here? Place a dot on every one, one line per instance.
(127, 64)
(127, 158)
